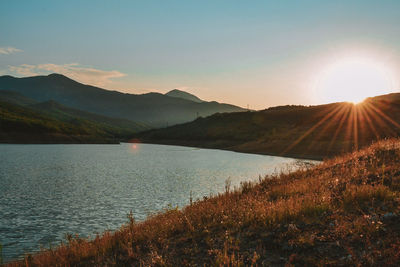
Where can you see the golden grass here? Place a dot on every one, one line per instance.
(344, 211)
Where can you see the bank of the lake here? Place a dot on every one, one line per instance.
(257, 150)
(345, 211)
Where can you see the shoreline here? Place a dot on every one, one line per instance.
(233, 149)
(286, 155)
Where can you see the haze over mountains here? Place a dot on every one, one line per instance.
(152, 109)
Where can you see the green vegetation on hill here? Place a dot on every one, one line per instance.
(122, 127)
(51, 122)
(16, 98)
(298, 131)
(343, 212)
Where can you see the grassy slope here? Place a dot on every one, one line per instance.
(342, 212)
(39, 124)
(298, 131)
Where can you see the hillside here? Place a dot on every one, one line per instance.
(343, 212)
(16, 98)
(153, 109)
(298, 131)
(50, 122)
(64, 113)
(184, 95)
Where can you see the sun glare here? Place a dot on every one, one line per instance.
(353, 80)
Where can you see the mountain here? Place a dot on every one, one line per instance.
(297, 131)
(153, 109)
(184, 95)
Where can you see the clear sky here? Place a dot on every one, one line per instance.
(261, 53)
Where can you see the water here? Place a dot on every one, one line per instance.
(47, 191)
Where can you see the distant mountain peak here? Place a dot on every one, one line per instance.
(58, 76)
(184, 95)
(55, 75)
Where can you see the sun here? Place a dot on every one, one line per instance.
(353, 79)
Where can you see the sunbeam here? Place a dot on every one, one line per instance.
(351, 126)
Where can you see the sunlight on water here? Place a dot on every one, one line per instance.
(50, 190)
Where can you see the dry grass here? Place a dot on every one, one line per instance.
(342, 212)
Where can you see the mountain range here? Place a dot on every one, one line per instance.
(152, 109)
(56, 109)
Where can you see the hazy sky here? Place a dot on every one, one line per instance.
(261, 53)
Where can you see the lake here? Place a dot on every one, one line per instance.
(47, 191)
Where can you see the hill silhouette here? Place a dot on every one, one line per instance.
(153, 109)
(298, 131)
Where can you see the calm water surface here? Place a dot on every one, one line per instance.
(47, 191)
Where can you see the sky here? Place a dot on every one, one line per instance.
(255, 53)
